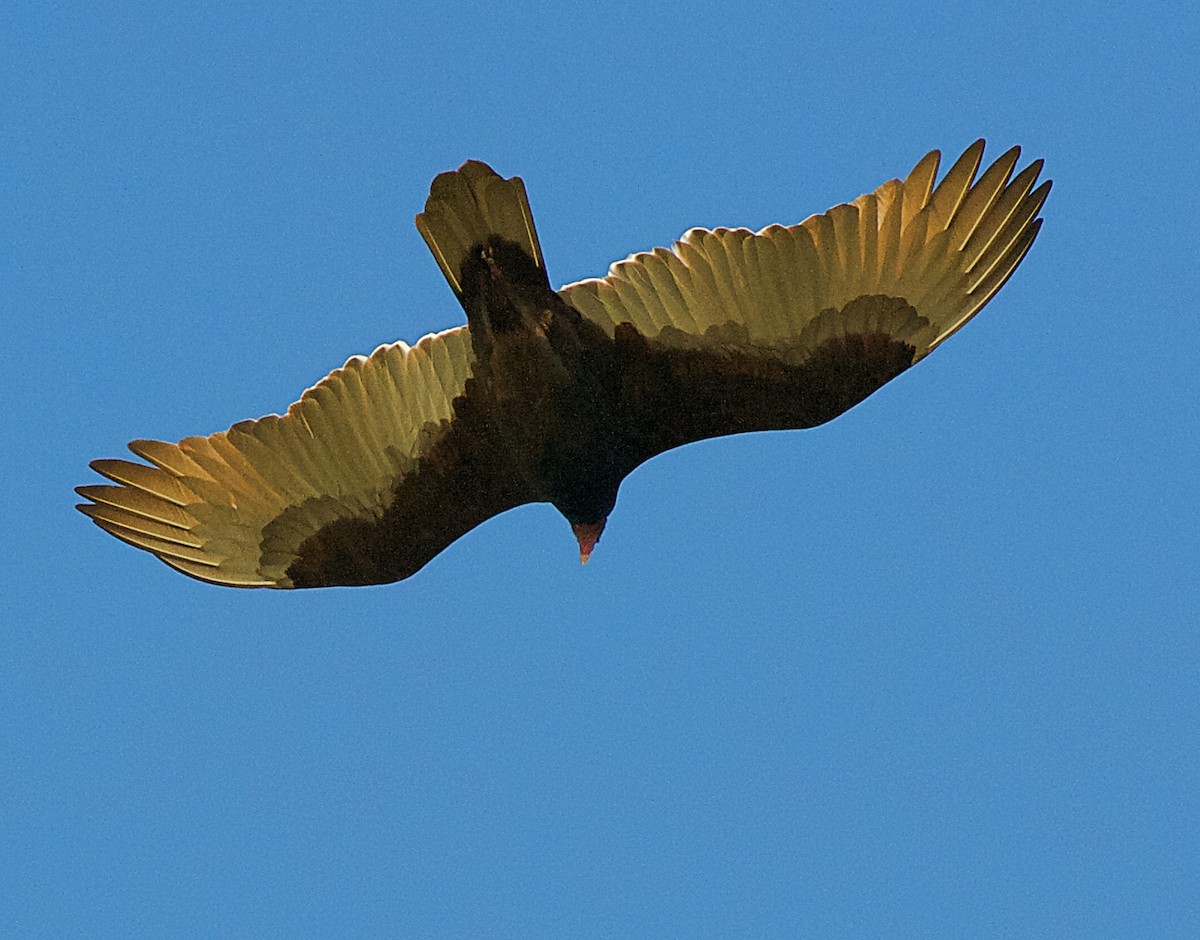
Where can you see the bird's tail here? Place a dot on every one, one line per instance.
(466, 209)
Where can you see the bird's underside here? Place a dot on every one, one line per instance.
(555, 397)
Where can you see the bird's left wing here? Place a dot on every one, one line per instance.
(732, 330)
(370, 474)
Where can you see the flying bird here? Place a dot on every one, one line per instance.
(556, 396)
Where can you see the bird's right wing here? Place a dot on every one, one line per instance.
(732, 330)
(945, 251)
(370, 474)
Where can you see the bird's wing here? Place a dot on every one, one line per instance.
(791, 326)
(370, 474)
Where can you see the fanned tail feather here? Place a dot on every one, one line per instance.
(468, 206)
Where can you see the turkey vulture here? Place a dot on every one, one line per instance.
(555, 397)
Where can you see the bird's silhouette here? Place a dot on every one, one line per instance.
(556, 396)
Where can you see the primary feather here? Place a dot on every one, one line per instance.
(556, 396)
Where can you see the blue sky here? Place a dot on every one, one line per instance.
(930, 670)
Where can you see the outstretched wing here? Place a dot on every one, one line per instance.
(370, 474)
(732, 330)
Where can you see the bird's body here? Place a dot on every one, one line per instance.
(556, 396)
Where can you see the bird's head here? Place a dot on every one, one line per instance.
(585, 492)
(588, 534)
